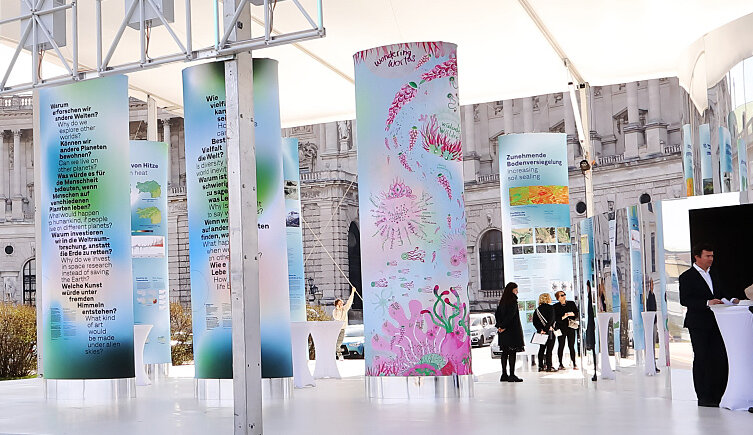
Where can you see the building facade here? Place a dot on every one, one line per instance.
(635, 129)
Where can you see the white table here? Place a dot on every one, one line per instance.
(602, 319)
(736, 326)
(325, 340)
(299, 332)
(140, 333)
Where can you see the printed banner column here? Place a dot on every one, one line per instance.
(296, 283)
(151, 288)
(536, 218)
(725, 159)
(86, 245)
(742, 161)
(206, 172)
(207, 196)
(411, 208)
(707, 171)
(636, 277)
(274, 300)
(687, 159)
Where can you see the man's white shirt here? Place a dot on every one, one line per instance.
(706, 275)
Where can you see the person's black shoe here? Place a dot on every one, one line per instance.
(504, 377)
(551, 369)
(541, 369)
(561, 367)
(514, 378)
(750, 409)
(708, 404)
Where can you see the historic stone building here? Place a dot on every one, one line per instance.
(636, 131)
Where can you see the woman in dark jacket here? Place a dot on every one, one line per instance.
(543, 321)
(510, 331)
(564, 312)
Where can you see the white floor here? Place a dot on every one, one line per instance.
(562, 403)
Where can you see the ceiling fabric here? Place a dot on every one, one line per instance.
(501, 53)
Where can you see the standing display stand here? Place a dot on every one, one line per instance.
(140, 333)
(277, 388)
(648, 335)
(419, 387)
(603, 321)
(662, 339)
(735, 324)
(157, 372)
(325, 341)
(300, 337)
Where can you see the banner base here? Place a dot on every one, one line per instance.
(419, 387)
(157, 372)
(75, 391)
(215, 392)
(277, 388)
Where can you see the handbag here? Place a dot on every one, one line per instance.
(539, 338)
(573, 324)
(557, 333)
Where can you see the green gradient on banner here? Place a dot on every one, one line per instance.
(85, 264)
(206, 168)
(151, 287)
(206, 189)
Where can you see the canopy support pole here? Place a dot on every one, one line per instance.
(582, 118)
(244, 237)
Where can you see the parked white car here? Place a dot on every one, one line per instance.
(482, 329)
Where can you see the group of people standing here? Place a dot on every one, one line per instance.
(558, 321)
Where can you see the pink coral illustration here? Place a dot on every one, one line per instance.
(422, 344)
(442, 179)
(404, 161)
(403, 97)
(438, 143)
(400, 216)
(448, 68)
(412, 137)
(454, 244)
(425, 58)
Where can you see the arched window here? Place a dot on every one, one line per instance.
(490, 259)
(30, 282)
(354, 263)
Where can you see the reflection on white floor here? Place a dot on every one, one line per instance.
(563, 403)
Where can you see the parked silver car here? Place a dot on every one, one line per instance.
(482, 328)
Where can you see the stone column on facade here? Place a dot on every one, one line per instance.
(330, 137)
(574, 153)
(182, 161)
(656, 130)
(23, 158)
(508, 116)
(174, 160)
(470, 157)
(17, 213)
(3, 172)
(632, 129)
(528, 115)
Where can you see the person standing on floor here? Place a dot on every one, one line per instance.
(340, 313)
(543, 321)
(510, 331)
(566, 321)
(699, 290)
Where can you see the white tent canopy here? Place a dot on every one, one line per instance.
(501, 52)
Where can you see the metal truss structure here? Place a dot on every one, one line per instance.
(36, 22)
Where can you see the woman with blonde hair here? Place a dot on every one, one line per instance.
(543, 321)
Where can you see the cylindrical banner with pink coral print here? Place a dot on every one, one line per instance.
(411, 208)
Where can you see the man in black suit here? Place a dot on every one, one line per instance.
(699, 289)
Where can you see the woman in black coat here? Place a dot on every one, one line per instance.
(510, 331)
(564, 312)
(543, 321)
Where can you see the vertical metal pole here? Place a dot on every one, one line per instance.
(74, 31)
(37, 137)
(244, 265)
(189, 44)
(35, 48)
(142, 41)
(588, 147)
(99, 34)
